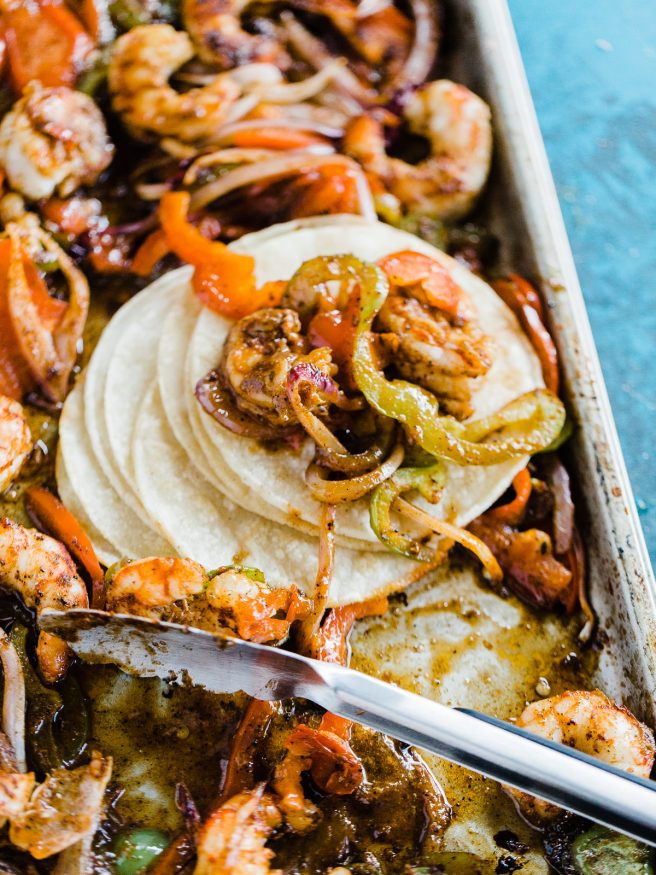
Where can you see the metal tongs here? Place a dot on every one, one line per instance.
(558, 774)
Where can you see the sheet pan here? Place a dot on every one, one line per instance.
(523, 210)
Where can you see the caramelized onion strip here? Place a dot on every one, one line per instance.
(460, 536)
(339, 491)
(13, 700)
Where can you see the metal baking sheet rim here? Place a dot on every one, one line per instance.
(617, 552)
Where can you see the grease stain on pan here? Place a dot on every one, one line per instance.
(454, 640)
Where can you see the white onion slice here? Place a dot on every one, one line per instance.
(421, 57)
(13, 700)
(278, 168)
(297, 92)
(226, 132)
(313, 51)
(367, 8)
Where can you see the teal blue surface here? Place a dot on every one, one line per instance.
(591, 65)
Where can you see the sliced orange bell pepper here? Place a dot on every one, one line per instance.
(275, 138)
(15, 376)
(513, 512)
(188, 243)
(224, 280)
(45, 41)
(153, 249)
(412, 269)
(50, 516)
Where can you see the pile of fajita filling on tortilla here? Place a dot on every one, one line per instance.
(261, 373)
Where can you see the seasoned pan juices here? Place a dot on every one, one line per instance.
(257, 375)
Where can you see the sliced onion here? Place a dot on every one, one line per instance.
(339, 104)
(240, 155)
(297, 92)
(304, 373)
(226, 156)
(367, 8)
(153, 191)
(421, 57)
(138, 227)
(332, 108)
(13, 700)
(339, 491)
(215, 400)
(241, 107)
(278, 168)
(577, 567)
(454, 533)
(563, 511)
(255, 75)
(325, 569)
(227, 132)
(357, 463)
(176, 149)
(313, 51)
(319, 432)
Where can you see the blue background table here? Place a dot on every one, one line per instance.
(591, 65)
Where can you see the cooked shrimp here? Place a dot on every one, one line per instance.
(334, 766)
(232, 599)
(457, 125)
(232, 840)
(328, 758)
(259, 353)
(144, 586)
(15, 440)
(142, 61)
(63, 810)
(49, 349)
(593, 724)
(41, 571)
(300, 813)
(53, 140)
(220, 39)
(427, 326)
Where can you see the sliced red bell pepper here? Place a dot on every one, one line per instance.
(45, 41)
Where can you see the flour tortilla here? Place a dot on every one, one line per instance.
(132, 369)
(277, 475)
(105, 551)
(111, 517)
(95, 377)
